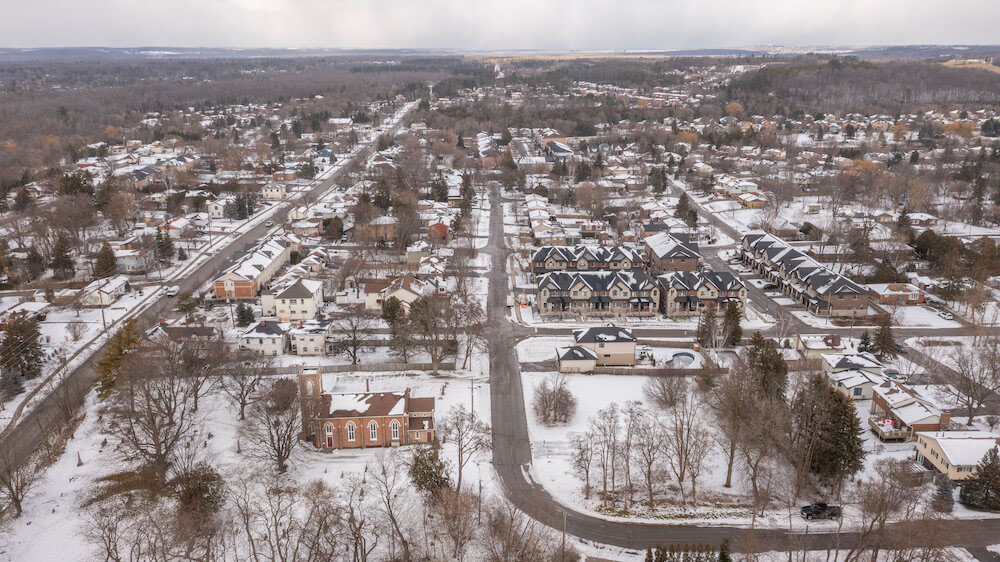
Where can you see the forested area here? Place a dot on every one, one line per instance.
(49, 110)
(840, 85)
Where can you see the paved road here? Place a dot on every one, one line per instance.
(19, 441)
(512, 452)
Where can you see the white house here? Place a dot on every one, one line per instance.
(301, 300)
(267, 337)
(273, 191)
(104, 292)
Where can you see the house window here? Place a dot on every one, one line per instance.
(857, 392)
(373, 431)
(395, 430)
(350, 431)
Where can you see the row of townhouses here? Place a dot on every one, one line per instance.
(822, 291)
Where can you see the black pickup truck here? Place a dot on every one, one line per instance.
(821, 511)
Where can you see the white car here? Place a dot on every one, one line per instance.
(946, 315)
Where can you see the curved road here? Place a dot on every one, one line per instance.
(512, 456)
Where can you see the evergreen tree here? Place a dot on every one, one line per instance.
(649, 554)
(706, 328)
(164, 246)
(982, 491)
(34, 265)
(21, 352)
(683, 208)
(428, 471)
(182, 254)
(23, 200)
(62, 262)
(865, 345)
(11, 384)
(244, 315)
(724, 552)
(944, 498)
(840, 449)
(884, 345)
(768, 366)
(120, 344)
(731, 324)
(105, 265)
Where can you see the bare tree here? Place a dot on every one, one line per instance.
(363, 529)
(512, 535)
(17, 479)
(553, 401)
(272, 428)
(242, 373)
(885, 495)
(632, 416)
(390, 486)
(664, 391)
(472, 326)
(976, 375)
(470, 435)
(75, 330)
(606, 426)
(153, 410)
(685, 440)
(731, 399)
(354, 332)
(435, 327)
(650, 450)
(583, 456)
(457, 511)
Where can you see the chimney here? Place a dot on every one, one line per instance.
(366, 385)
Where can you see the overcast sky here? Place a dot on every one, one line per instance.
(495, 24)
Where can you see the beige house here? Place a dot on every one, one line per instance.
(613, 346)
(575, 359)
(813, 346)
(954, 453)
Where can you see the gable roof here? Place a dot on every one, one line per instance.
(667, 245)
(603, 334)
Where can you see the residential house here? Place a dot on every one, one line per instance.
(310, 337)
(245, 278)
(752, 200)
(300, 300)
(813, 346)
(267, 337)
(380, 229)
(575, 359)
(274, 191)
(898, 412)
(597, 294)
(671, 252)
(406, 288)
(895, 293)
(104, 292)
(364, 419)
(611, 345)
(584, 258)
(802, 278)
(686, 293)
(136, 261)
(956, 454)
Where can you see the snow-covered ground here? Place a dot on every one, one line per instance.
(54, 521)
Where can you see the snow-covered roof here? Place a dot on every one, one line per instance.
(963, 448)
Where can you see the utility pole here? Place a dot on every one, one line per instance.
(563, 557)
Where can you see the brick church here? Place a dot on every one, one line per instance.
(363, 419)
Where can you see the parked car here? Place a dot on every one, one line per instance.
(901, 349)
(820, 511)
(173, 291)
(770, 287)
(946, 315)
(269, 223)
